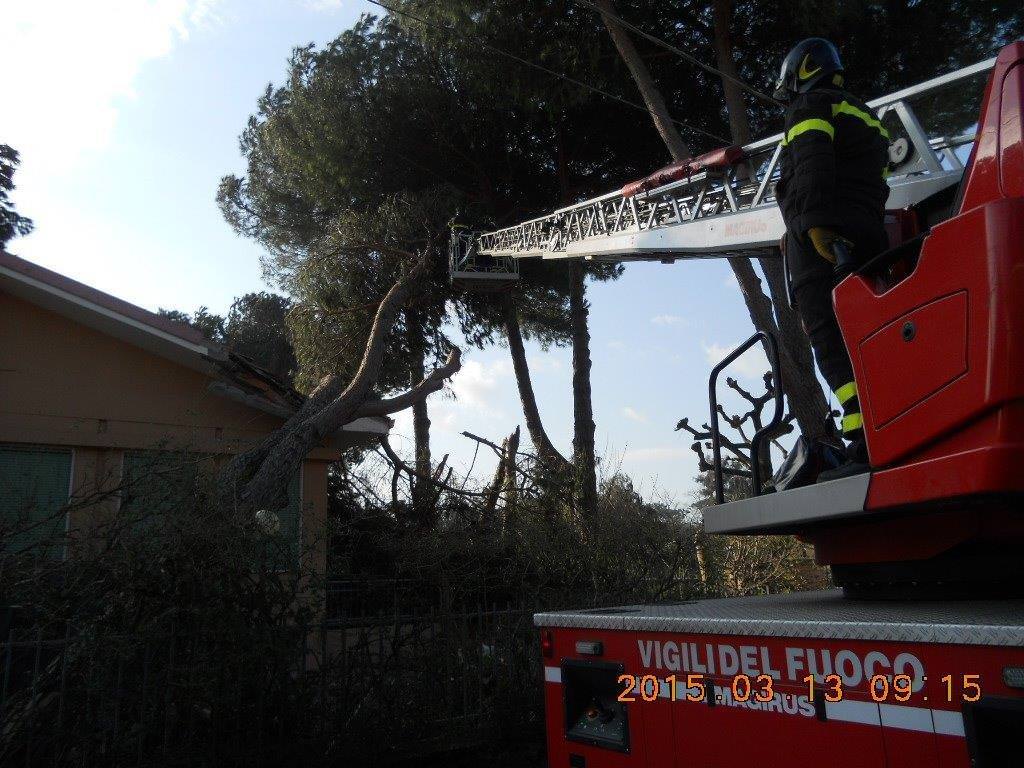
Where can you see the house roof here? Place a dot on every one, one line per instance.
(104, 312)
(235, 376)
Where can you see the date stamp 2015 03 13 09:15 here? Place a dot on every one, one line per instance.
(761, 688)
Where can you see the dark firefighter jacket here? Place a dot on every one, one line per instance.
(834, 162)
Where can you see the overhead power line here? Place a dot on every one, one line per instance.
(681, 53)
(478, 40)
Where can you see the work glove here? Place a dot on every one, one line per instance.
(822, 240)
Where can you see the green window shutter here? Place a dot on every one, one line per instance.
(34, 489)
(283, 548)
(158, 483)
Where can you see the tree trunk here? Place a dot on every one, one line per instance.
(511, 480)
(421, 429)
(421, 418)
(642, 77)
(759, 306)
(806, 399)
(258, 477)
(421, 490)
(737, 109)
(547, 452)
(583, 454)
(584, 457)
(494, 490)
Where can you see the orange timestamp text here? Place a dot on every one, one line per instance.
(761, 688)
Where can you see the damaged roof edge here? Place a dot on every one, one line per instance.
(241, 379)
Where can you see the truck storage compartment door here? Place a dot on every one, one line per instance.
(593, 713)
(914, 357)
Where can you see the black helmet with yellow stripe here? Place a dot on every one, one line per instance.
(811, 62)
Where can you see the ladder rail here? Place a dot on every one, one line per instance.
(602, 227)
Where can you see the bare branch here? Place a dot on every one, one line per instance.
(498, 449)
(685, 425)
(399, 465)
(433, 382)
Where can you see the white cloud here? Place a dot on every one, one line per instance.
(547, 363)
(75, 61)
(476, 384)
(616, 344)
(656, 454)
(445, 415)
(669, 320)
(634, 415)
(752, 363)
(402, 431)
(730, 281)
(324, 5)
(474, 401)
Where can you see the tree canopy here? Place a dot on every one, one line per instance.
(255, 327)
(375, 142)
(12, 223)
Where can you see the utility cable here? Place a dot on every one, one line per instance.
(484, 44)
(679, 52)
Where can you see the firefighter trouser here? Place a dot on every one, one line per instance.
(812, 280)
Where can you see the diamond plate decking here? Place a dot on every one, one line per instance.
(826, 615)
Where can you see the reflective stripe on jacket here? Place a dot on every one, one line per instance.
(834, 161)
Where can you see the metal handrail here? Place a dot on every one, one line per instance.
(771, 347)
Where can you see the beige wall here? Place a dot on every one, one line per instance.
(62, 383)
(96, 476)
(314, 515)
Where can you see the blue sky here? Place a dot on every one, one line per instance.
(127, 114)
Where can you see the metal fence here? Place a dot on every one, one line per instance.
(359, 690)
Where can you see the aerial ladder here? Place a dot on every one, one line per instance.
(719, 204)
(945, 431)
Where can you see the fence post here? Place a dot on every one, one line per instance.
(168, 699)
(7, 668)
(63, 688)
(324, 670)
(146, 656)
(117, 701)
(32, 696)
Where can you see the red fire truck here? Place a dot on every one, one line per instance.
(918, 658)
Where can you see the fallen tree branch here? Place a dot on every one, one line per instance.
(399, 465)
(259, 476)
(548, 480)
(432, 383)
(498, 449)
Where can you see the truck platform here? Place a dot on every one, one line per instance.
(825, 614)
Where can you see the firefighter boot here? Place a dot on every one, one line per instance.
(853, 433)
(856, 462)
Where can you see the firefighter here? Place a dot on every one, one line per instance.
(832, 193)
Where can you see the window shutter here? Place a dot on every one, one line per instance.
(157, 483)
(293, 529)
(284, 547)
(34, 488)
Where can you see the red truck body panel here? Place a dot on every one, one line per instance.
(788, 729)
